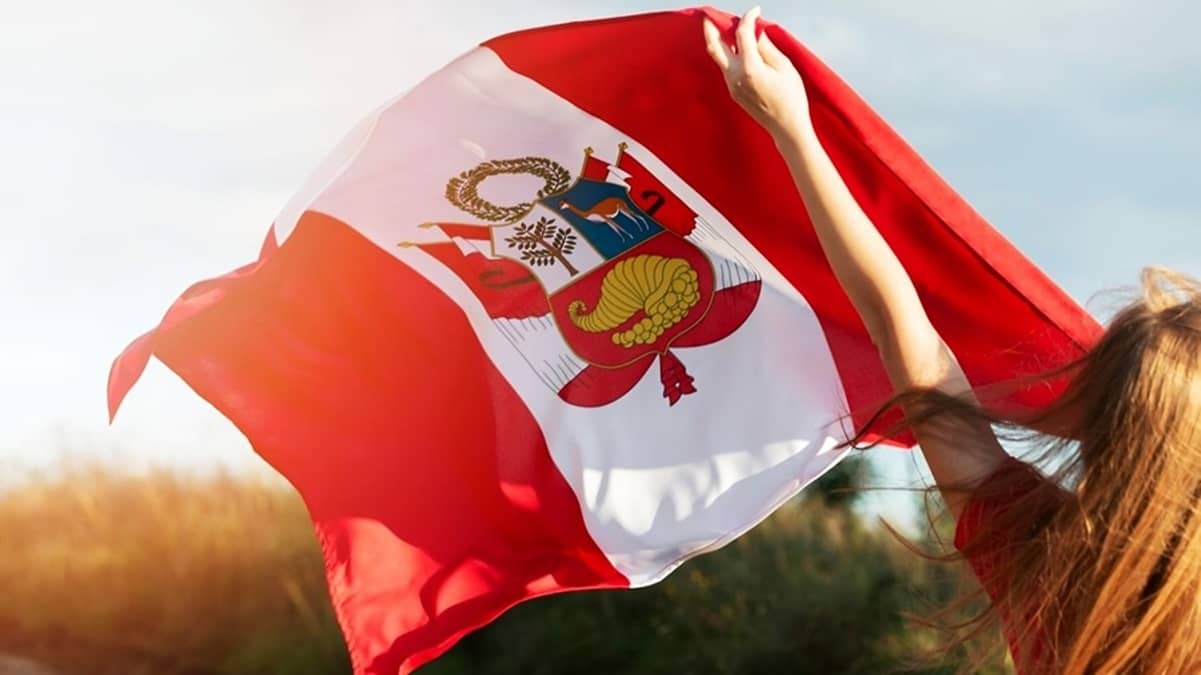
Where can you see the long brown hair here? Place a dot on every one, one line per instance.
(1095, 566)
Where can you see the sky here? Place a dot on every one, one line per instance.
(148, 145)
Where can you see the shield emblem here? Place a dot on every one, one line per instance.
(590, 285)
(651, 287)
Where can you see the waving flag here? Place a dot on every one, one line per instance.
(555, 319)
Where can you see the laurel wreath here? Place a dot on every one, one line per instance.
(463, 190)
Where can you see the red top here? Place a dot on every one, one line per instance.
(976, 515)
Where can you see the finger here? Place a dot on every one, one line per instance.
(718, 50)
(745, 34)
(772, 55)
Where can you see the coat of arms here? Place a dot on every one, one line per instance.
(596, 279)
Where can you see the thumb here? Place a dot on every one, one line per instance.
(772, 55)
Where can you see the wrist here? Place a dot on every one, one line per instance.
(793, 130)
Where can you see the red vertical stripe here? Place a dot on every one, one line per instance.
(434, 495)
(997, 311)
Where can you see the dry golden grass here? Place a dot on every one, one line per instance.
(162, 573)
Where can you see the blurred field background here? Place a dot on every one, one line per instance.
(108, 573)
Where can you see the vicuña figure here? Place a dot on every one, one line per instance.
(605, 211)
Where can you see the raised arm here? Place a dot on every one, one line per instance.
(766, 84)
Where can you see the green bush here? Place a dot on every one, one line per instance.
(812, 590)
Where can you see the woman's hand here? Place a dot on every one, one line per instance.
(760, 77)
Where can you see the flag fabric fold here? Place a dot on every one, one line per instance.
(555, 319)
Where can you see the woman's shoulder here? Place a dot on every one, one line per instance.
(1012, 483)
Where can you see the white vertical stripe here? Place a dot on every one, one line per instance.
(656, 483)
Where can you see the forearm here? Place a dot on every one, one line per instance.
(770, 89)
(866, 267)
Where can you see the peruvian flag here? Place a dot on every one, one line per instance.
(556, 319)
